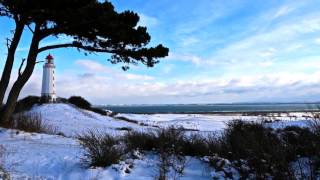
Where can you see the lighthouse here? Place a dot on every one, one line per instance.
(48, 93)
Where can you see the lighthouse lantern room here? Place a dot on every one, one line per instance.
(48, 93)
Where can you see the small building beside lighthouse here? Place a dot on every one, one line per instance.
(48, 92)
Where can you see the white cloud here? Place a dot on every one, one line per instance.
(283, 11)
(101, 89)
(268, 37)
(317, 41)
(194, 59)
(275, 42)
(95, 67)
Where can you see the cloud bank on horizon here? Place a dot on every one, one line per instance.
(234, 51)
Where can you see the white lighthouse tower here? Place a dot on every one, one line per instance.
(48, 93)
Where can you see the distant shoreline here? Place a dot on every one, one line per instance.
(223, 109)
(242, 113)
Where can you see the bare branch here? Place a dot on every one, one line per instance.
(45, 48)
(75, 45)
(39, 62)
(30, 29)
(20, 68)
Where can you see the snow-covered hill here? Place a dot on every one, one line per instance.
(72, 121)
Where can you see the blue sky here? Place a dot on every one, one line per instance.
(220, 52)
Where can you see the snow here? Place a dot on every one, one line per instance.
(42, 156)
(72, 121)
(212, 122)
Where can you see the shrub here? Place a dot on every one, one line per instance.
(102, 150)
(62, 100)
(299, 141)
(214, 144)
(32, 122)
(124, 129)
(79, 102)
(260, 146)
(98, 111)
(171, 146)
(26, 103)
(146, 141)
(82, 103)
(195, 145)
(302, 142)
(314, 123)
(169, 143)
(171, 139)
(243, 138)
(4, 175)
(127, 119)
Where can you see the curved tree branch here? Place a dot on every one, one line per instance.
(76, 45)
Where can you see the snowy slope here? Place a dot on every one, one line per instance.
(71, 120)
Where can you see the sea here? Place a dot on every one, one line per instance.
(213, 108)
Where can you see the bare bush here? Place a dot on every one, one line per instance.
(260, 146)
(214, 144)
(170, 161)
(102, 150)
(195, 145)
(32, 122)
(171, 139)
(171, 147)
(145, 141)
(163, 165)
(3, 173)
(314, 122)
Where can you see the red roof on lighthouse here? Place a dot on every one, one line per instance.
(49, 57)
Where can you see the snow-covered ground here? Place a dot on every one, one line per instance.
(73, 121)
(213, 122)
(41, 156)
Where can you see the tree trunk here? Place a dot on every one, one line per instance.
(21, 81)
(5, 78)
